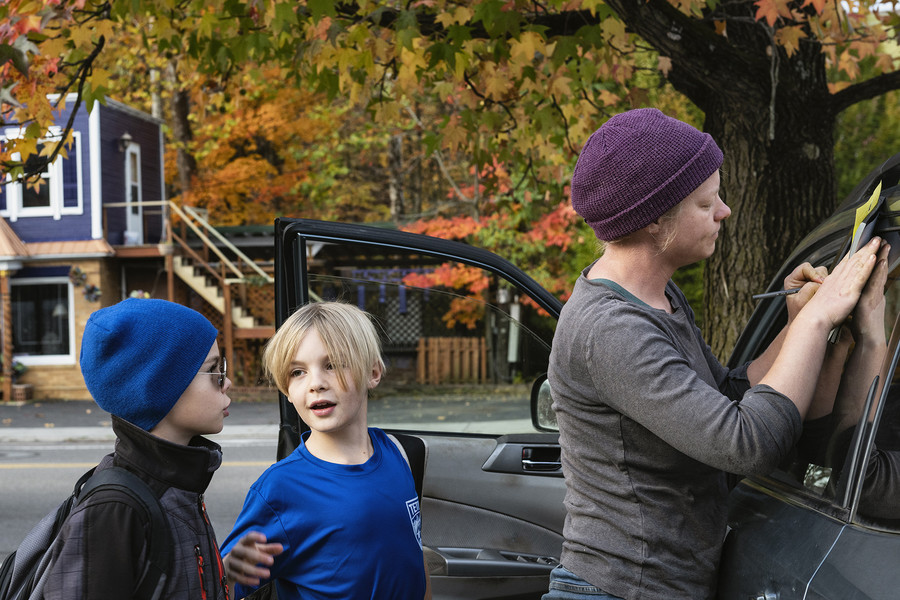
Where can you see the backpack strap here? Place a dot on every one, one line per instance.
(160, 554)
(413, 450)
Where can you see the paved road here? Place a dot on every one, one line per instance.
(487, 409)
(84, 420)
(45, 446)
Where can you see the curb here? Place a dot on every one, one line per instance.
(19, 435)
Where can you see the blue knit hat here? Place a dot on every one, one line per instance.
(637, 166)
(138, 357)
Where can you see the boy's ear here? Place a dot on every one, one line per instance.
(374, 377)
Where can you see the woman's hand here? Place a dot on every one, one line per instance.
(808, 278)
(838, 295)
(867, 322)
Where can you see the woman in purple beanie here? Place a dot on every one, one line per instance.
(650, 422)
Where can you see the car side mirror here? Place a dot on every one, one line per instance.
(542, 416)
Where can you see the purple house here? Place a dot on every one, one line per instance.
(92, 229)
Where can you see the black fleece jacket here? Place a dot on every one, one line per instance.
(103, 545)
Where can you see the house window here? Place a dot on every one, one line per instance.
(36, 196)
(42, 323)
(59, 192)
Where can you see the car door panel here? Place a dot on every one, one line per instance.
(773, 546)
(483, 525)
(864, 564)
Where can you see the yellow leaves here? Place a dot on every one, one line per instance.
(790, 37)
(81, 35)
(411, 63)
(454, 134)
(460, 16)
(526, 47)
(849, 64)
(608, 98)
(24, 146)
(561, 87)
(614, 31)
(46, 150)
(772, 10)
(591, 5)
(495, 81)
(690, 7)
(664, 64)
(884, 62)
(865, 48)
(100, 77)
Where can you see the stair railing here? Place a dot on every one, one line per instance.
(229, 272)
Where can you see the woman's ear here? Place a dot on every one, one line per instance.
(375, 377)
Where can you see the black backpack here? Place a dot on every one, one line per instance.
(23, 571)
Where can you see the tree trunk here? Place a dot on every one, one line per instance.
(181, 129)
(395, 176)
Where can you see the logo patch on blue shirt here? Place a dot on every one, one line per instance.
(415, 518)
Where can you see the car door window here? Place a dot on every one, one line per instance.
(850, 457)
(462, 346)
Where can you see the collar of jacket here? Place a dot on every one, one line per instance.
(187, 467)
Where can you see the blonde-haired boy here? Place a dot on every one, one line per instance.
(339, 517)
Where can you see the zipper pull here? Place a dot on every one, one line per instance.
(199, 556)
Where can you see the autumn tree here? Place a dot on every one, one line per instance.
(522, 84)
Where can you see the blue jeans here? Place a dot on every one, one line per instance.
(566, 585)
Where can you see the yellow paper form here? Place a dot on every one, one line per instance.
(862, 216)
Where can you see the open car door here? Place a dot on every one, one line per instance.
(466, 335)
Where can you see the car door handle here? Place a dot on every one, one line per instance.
(532, 458)
(535, 465)
(541, 459)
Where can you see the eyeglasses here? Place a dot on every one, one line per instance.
(221, 376)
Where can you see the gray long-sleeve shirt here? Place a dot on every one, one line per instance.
(650, 423)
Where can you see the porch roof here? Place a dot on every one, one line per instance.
(69, 248)
(11, 246)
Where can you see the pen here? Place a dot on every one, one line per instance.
(778, 293)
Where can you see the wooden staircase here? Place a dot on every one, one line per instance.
(218, 272)
(210, 291)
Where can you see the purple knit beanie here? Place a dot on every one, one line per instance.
(638, 165)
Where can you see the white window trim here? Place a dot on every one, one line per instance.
(74, 153)
(133, 221)
(15, 210)
(51, 359)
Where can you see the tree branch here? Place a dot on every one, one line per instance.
(865, 90)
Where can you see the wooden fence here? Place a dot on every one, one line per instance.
(451, 360)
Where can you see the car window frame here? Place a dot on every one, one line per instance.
(821, 247)
(292, 236)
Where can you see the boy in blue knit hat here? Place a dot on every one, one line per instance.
(155, 366)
